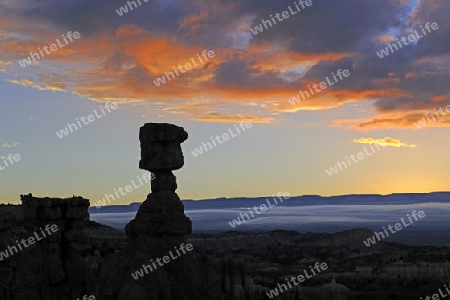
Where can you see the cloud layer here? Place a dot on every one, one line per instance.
(251, 76)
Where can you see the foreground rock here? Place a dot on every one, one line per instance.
(52, 267)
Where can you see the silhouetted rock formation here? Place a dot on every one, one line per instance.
(52, 267)
(158, 228)
(162, 213)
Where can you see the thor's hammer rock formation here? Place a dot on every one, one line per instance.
(162, 213)
(156, 231)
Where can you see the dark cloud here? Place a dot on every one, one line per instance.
(326, 26)
(100, 16)
(240, 73)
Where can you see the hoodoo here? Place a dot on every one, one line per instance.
(157, 231)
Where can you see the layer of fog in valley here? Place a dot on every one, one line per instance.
(433, 229)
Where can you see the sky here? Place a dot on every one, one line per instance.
(115, 58)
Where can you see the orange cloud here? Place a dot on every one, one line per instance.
(387, 141)
(215, 117)
(402, 120)
(27, 82)
(268, 56)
